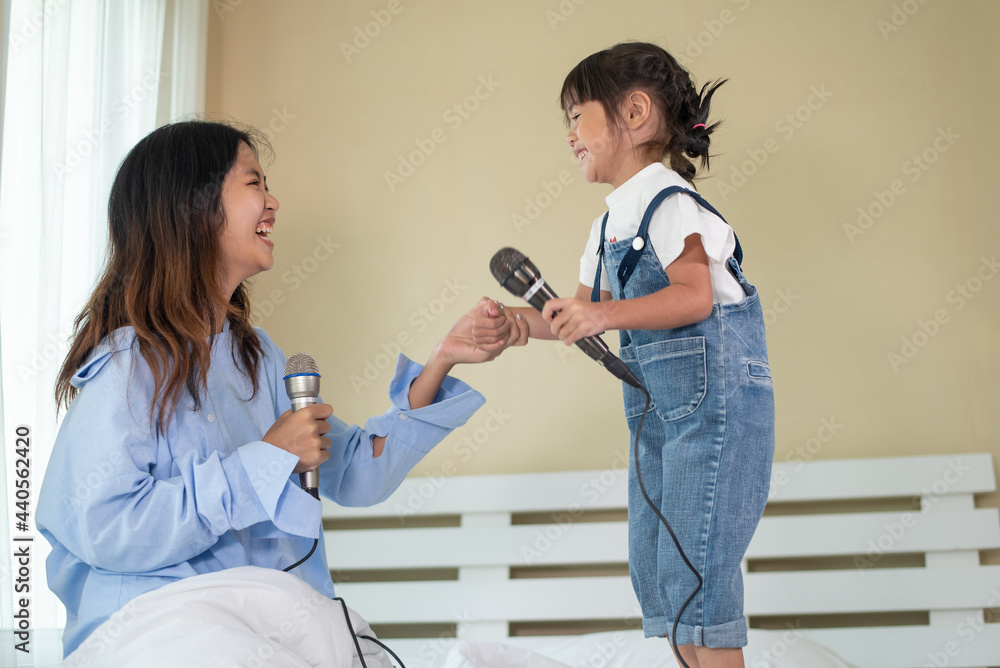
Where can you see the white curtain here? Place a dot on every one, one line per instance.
(83, 81)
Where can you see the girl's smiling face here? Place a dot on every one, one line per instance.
(244, 247)
(594, 142)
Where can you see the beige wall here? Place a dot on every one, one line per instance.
(834, 99)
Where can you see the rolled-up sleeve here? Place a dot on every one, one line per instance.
(354, 477)
(266, 472)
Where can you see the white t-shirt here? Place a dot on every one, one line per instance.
(677, 217)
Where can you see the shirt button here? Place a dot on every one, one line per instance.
(638, 243)
(211, 418)
(404, 417)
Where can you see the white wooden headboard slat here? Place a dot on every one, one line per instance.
(874, 534)
(536, 599)
(869, 535)
(783, 593)
(513, 493)
(453, 547)
(882, 477)
(873, 590)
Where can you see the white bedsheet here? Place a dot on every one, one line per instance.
(254, 618)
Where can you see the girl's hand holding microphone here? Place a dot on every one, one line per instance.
(301, 433)
(573, 319)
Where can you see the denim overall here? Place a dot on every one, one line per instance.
(706, 450)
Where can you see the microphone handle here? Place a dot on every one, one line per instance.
(310, 479)
(594, 346)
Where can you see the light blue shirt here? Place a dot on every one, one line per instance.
(128, 510)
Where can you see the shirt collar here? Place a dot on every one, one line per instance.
(630, 190)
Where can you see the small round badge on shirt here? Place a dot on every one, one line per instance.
(638, 243)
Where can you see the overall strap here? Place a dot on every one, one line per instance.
(631, 259)
(595, 295)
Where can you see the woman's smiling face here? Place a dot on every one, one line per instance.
(244, 247)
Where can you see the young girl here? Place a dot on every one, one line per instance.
(659, 266)
(177, 454)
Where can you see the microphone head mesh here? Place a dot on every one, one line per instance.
(505, 262)
(300, 363)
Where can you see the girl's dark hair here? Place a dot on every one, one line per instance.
(162, 276)
(609, 76)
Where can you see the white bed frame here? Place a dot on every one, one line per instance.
(870, 537)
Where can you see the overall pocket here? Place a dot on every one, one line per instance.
(674, 372)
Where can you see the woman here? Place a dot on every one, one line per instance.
(177, 453)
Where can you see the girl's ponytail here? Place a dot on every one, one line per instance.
(698, 135)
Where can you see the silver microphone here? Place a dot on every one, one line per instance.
(302, 385)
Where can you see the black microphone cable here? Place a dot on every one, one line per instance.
(303, 559)
(516, 273)
(315, 494)
(347, 618)
(355, 636)
(655, 509)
